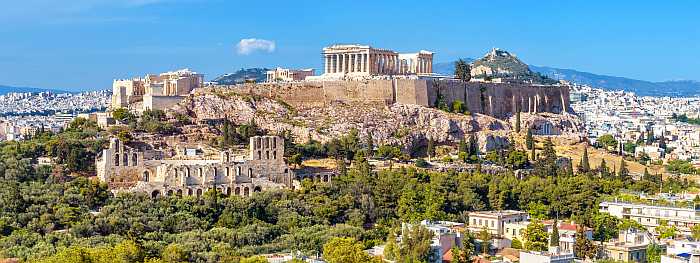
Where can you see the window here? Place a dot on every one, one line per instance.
(134, 159)
(116, 159)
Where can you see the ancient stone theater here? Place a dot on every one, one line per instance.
(140, 168)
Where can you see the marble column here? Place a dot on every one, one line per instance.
(325, 64)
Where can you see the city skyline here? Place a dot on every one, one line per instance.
(83, 45)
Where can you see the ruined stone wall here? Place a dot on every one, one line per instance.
(494, 99)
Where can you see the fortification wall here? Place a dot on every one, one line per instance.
(494, 99)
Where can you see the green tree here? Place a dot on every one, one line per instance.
(607, 141)
(345, 250)
(585, 166)
(583, 248)
(485, 237)
(173, 253)
(695, 231)
(370, 145)
(554, 237)
(535, 236)
(517, 122)
(529, 141)
(462, 70)
(654, 253)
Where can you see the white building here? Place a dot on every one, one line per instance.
(651, 216)
(287, 75)
(545, 257)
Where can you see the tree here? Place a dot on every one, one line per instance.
(462, 70)
(458, 107)
(695, 231)
(583, 248)
(584, 166)
(517, 122)
(174, 253)
(623, 173)
(654, 253)
(529, 141)
(554, 237)
(370, 145)
(517, 244)
(603, 168)
(535, 236)
(415, 245)
(473, 145)
(485, 237)
(345, 250)
(431, 148)
(607, 141)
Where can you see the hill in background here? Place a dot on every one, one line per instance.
(9, 89)
(240, 76)
(678, 88)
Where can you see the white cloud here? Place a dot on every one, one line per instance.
(249, 45)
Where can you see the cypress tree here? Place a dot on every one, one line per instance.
(370, 145)
(554, 238)
(529, 142)
(584, 166)
(517, 122)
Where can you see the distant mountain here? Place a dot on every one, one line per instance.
(677, 88)
(9, 89)
(240, 76)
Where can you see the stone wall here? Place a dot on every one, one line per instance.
(495, 99)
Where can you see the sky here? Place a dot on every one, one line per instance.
(85, 44)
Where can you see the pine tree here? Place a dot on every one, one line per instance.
(584, 166)
(532, 154)
(517, 122)
(554, 238)
(225, 131)
(529, 142)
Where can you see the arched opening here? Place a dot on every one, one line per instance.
(187, 171)
(126, 159)
(228, 190)
(199, 192)
(246, 191)
(274, 155)
(155, 193)
(238, 171)
(325, 178)
(134, 159)
(146, 176)
(237, 191)
(228, 171)
(189, 192)
(201, 171)
(170, 192)
(179, 192)
(267, 155)
(116, 159)
(250, 172)
(257, 189)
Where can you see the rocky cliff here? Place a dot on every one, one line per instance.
(400, 124)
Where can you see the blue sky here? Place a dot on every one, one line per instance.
(84, 44)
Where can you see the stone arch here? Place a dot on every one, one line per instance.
(228, 190)
(170, 192)
(179, 192)
(134, 159)
(146, 176)
(189, 192)
(199, 192)
(246, 191)
(257, 189)
(116, 159)
(126, 159)
(237, 191)
(155, 194)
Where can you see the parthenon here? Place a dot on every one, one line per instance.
(366, 60)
